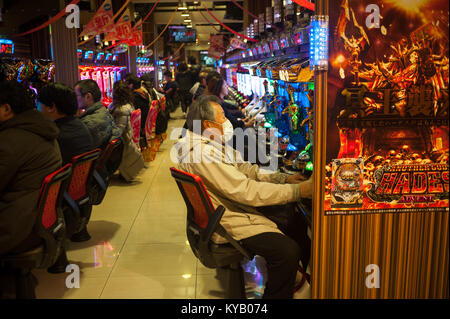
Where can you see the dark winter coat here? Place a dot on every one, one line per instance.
(74, 138)
(28, 153)
(101, 125)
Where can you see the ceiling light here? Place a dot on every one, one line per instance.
(189, 26)
(187, 21)
(185, 14)
(182, 6)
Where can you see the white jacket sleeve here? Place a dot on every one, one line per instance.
(228, 181)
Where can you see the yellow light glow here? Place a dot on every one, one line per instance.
(340, 59)
(187, 276)
(409, 6)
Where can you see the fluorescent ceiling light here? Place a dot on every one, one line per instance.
(187, 21)
(182, 6)
(185, 14)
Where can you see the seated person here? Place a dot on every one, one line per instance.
(96, 117)
(28, 153)
(199, 88)
(249, 197)
(121, 109)
(59, 103)
(141, 100)
(217, 86)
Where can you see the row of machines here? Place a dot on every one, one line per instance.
(103, 68)
(144, 66)
(278, 93)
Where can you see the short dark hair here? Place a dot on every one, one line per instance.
(132, 79)
(214, 82)
(16, 95)
(168, 73)
(201, 110)
(122, 94)
(89, 86)
(61, 95)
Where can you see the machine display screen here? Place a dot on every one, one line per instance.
(180, 34)
(89, 55)
(100, 57)
(6, 46)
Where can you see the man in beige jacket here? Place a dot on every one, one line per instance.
(245, 191)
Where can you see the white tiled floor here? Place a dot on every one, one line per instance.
(139, 247)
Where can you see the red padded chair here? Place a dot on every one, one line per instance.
(77, 196)
(50, 226)
(107, 164)
(135, 122)
(202, 221)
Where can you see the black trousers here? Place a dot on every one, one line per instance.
(186, 100)
(282, 253)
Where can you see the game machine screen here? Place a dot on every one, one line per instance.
(107, 83)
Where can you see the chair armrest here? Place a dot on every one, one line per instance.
(99, 180)
(214, 226)
(214, 222)
(71, 203)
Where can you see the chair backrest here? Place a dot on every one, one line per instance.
(195, 196)
(111, 156)
(135, 121)
(150, 124)
(162, 103)
(82, 170)
(50, 220)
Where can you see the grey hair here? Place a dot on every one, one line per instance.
(201, 110)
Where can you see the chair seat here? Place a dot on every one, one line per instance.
(29, 259)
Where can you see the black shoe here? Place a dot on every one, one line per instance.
(60, 265)
(81, 236)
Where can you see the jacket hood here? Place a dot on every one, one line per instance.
(33, 121)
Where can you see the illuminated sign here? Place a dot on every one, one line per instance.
(100, 56)
(108, 57)
(79, 53)
(115, 57)
(89, 55)
(6, 46)
(318, 53)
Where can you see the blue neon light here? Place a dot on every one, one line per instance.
(319, 32)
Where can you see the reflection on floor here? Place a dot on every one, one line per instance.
(139, 247)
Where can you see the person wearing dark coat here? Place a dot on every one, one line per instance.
(185, 81)
(28, 153)
(59, 103)
(141, 100)
(94, 115)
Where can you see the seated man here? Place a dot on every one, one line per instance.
(28, 153)
(100, 123)
(59, 103)
(249, 196)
